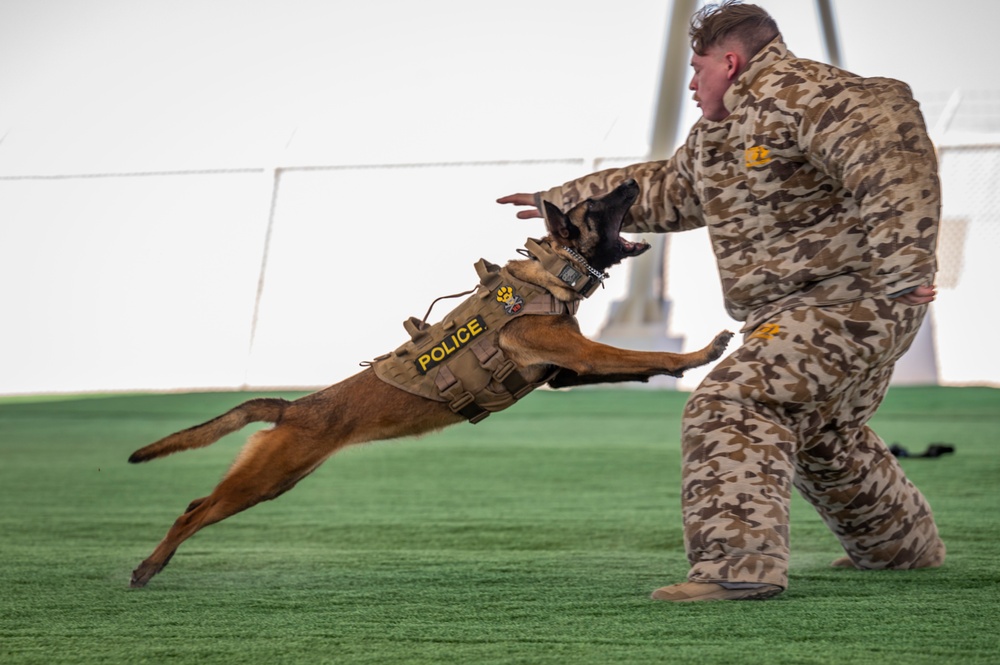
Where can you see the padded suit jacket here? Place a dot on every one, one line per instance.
(821, 187)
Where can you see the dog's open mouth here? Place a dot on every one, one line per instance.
(623, 197)
(632, 248)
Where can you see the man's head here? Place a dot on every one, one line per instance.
(724, 37)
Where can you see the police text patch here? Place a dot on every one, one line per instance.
(444, 349)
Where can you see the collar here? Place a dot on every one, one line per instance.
(570, 271)
(774, 52)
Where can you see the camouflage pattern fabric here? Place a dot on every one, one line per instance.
(789, 408)
(820, 188)
(821, 197)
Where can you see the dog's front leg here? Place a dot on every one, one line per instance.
(557, 340)
(567, 379)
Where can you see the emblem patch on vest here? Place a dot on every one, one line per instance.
(444, 349)
(512, 303)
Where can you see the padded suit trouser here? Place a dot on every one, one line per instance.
(790, 408)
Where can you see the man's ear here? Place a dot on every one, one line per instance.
(558, 223)
(734, 62)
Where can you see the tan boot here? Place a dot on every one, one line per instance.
(842, 562)
(687, 592)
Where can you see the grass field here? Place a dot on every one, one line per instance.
(533, 537)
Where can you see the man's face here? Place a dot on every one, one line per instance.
(714, 72)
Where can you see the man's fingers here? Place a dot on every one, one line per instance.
(520, 199)
(921, 295)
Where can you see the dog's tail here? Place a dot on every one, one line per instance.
(267, 410)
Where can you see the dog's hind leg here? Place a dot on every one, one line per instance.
(360, 409)
(272, 462)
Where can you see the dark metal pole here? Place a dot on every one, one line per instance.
(829, 26)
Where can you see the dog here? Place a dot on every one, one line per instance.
(540, 349)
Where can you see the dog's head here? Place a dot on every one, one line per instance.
(592, 228)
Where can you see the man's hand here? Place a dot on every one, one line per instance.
(919, 296)
(523, 200)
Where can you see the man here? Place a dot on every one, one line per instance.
(820, 192)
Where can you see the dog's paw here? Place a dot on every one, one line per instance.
(719, 345)
(141, 576)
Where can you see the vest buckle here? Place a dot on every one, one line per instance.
(465, 405)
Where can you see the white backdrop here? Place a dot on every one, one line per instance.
(138, 143)
(149, 282)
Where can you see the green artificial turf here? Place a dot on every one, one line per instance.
(533, 537)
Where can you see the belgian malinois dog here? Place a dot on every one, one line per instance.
(365, 408)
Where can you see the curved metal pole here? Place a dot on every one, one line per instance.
(649, 274)
(673, 81)
(641, 318)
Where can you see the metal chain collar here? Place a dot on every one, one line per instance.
(600, 276)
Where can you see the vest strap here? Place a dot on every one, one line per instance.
(489, 274)
(465, 406)
(512, 380)
(504, 371)
(416, 329)
(460, 400)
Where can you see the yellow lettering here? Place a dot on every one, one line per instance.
(457, 340)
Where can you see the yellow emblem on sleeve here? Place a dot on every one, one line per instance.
(757, 155)
(767, 331)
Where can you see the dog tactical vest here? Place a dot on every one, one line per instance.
(458, 360)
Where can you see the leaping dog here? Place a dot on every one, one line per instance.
(515, 333)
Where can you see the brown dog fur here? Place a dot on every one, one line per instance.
(363, 408)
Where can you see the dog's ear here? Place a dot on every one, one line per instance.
(559, 224)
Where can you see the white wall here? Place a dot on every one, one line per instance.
(127, 283)
(150, 282)
(137, 138)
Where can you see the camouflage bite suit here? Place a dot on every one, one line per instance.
(821, 197)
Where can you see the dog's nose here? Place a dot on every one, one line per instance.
(630, 185)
